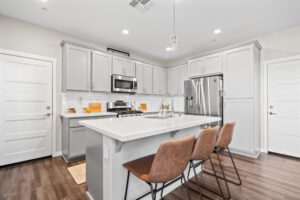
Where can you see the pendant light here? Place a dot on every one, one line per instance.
(173, 36)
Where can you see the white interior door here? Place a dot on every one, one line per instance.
(25, 108)
(284, 108)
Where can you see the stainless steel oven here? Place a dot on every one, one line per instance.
(124, 84)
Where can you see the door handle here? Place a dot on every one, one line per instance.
(271, 113)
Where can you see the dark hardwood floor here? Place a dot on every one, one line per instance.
(271, 177)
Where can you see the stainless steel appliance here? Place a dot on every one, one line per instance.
(204, 96)
(124, 84)
(123, 109)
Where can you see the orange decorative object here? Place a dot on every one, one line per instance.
(95, 107)
(87, 110)
(143, 106)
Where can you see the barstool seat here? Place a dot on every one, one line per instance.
(140, 167)
(166, 166)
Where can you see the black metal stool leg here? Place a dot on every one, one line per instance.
(198, 184)
(162, 191)
(236, 171)
(152, 192)
(223, 174)
(215, 174)
(235, 168)
(187, 190)
(127, 183)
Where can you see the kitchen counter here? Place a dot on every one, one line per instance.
(132, 128)
(81, 115)
(115, 141)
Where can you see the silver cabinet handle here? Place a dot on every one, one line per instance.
(48, 114)
(271, 113)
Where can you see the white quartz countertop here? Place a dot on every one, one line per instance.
(132, 128)
(80, 115)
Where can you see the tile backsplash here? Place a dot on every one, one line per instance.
(82, 100)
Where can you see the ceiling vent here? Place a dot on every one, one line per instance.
(141, 4)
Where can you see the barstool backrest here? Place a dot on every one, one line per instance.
(171, 159)
(225, 135)
(205, 144)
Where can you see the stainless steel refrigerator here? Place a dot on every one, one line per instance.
(204, 96)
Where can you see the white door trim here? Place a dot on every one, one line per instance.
(264, 99)
(54, 63)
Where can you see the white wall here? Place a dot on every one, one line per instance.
(280, 44)
(29, 38)
(82, 100)
(275, 45)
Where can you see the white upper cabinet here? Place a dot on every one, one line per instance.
(204, 66)
(173, 82)
(101, 72)
(212, 64)
(144, 78)
(123, 66)
(175, 79)
(183, 76)
(77, 66)
(159, 80)
(196, 68)
(239, 73)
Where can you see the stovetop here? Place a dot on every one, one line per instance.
(123, 109)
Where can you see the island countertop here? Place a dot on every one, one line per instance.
(132, 128)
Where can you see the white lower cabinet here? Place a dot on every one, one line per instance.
(74, 138)
(78, 139)
(242, 112)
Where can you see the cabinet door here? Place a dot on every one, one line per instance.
(212, 64)
(159, 81)
(77, 68)
(78, 139)
(196, 68)
(117, 65)
(238, 73)
(129, 67)
(148, 78)
(101, 72)
(172, 80)
(241, 111)
(140, 78)
(183, 76)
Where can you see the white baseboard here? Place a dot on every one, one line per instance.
(264, 150)
(56, 154)
(246, 153)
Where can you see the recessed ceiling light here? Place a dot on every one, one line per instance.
(168, 48)
(125, 31)
(217, 31)
(43, 0)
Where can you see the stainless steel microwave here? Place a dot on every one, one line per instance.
(124, 84)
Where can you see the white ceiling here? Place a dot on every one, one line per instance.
(103, 21)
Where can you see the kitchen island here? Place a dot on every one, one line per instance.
(114, 141)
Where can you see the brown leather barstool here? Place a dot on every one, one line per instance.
(222, 145)
(203, 148)
(166, 166)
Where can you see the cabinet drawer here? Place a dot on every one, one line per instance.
(75, 122)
